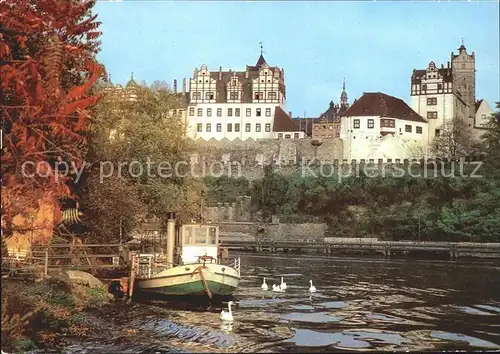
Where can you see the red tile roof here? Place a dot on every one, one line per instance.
(283, 122)
(380, 104)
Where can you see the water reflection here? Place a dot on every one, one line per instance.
(361, 305)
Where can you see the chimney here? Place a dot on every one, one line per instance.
(247, 74)
(184, 85)
(448, 64)
(220, 72)
(290, 114)
(442, 66)
(175, 85)
(195, 72)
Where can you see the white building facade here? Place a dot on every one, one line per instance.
(445, 93)
(379, 126)
(237, 105)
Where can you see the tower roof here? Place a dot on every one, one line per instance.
(131, 82)
(261, 61)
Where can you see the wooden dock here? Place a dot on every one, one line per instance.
(387, 248)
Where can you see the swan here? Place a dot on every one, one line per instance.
(264, 285)
(312, 288)
(227, 316)
(282, 285)
(277, 288)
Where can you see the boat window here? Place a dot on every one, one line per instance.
(199, 235)
(188, 235)
(212, 234)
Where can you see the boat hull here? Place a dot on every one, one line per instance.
(186, 280)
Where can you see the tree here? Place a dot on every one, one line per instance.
(453, 141)
(48, 67)
(150, 146)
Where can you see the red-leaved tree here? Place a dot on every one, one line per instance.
(48, 69)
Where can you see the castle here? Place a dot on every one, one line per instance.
(250, 105)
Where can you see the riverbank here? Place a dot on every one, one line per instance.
(49, 313)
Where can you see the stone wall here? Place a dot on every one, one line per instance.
(229, 212)
(241, 231)
(295, 232)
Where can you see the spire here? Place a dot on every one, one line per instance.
(261, 60)
(132, 81)
(343, 96)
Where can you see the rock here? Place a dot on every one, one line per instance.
(84, 278)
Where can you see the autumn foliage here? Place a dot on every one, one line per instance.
(48, 69)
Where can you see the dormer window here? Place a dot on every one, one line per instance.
(233, 82)
(265, 72)
(203, 73)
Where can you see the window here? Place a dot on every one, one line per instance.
(437, 131)
(295, 135)
(229, 112)
(191, 111)
(268, 112)
(440, 86)
(432, 101)
(219, 112)
(463, 66)
(388, 123)
(271, 95)
(432, 115)
(419, 130)
(257, 127)
(258, 112)
(200, 112)
(219, 127)
(247, 127)
(229, 127)
(199, 127)
(234, 82)
(249, 112)
(408, 128)
(237, 127)
(209, 112)
(483, 116)
(209, 95)
(258, 96)
(356, 123)
(268, 127)
(196, 95)
(233, 95)
(280, 135)
(237, 112)
(287, 136)
(209, 127)
(424, 87)
(371, 123)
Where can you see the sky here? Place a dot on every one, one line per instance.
(375, 45)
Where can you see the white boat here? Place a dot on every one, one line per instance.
(198, 269)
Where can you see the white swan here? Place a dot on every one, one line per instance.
(312, 288)
(264, 285)
(227, 316)
(282, 285)
(277, 288)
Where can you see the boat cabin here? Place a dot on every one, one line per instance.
(199, 240)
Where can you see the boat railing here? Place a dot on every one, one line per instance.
(148, 265)
(236, 264)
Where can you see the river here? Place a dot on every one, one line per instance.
(361, 304)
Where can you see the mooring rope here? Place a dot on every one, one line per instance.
(203, 281)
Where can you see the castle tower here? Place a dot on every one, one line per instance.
(463, 68)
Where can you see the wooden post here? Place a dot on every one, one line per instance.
(46, 270)
(131, 278)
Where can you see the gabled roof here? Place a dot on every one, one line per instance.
(380, 104)
(283, 122)
(478, 104)
(417, 75)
